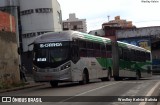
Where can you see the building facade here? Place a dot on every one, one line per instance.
(7, 22)
(118, 22)
(33, 17)
(38, 17)
(74, 23)
(109, 28)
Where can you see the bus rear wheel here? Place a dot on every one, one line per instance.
(85, 78)
(54, 83)
(138, 75)
(109, 75)
(117, 78)
(108, 78)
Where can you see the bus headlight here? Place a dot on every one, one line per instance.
(67, 65)
(34, 68)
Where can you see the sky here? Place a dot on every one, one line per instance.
(142, 13)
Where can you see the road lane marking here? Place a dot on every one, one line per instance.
(96, 89)
(88, 92)
(150, 92)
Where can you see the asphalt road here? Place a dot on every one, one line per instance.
(94, 92)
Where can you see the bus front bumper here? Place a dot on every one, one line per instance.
(61, 76)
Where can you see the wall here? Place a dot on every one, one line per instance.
(139, 32)
(99, 32)
(9, 70)
(7, 22)
(144, 42)
(110, 33)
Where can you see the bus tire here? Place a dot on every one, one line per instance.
(108, 78)
(117, 78)
(109, 75)
(138, 75)
(54, 83)
(103, 79)
(85, 78)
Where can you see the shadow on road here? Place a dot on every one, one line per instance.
(64, 85)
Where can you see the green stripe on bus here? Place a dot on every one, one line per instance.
(105, 62)
(133, 65)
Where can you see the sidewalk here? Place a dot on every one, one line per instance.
(28, 84)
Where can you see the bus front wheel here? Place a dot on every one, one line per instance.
(54, 83)
(138, 75)
(109, 75)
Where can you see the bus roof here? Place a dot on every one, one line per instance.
(131, 46)
(69, 36)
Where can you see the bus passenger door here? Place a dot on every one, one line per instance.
(76, 69)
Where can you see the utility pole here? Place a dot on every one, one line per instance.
(108, 17)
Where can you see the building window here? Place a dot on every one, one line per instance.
(43, 32)
(26, 12)
(28, 35)
(33, 34)
(44, 10)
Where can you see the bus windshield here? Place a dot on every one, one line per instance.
(50, 57)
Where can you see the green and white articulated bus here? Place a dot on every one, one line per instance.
(130, 61)
(71, 56)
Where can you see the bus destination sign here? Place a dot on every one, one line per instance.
(46, 45)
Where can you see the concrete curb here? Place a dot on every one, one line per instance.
(30, 85)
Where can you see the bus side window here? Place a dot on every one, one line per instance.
(103, 51)
(124, 54)
(82, 48)
(139, 56)
(148, 56)
(82, 44)
(109, 51)
(75, 54)
(97, 52)
(89, 49)
(109, 47)
(143, 55)
(120, 53)
(83, 52)
(89, 45)
(128, 55)
(133, 55)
